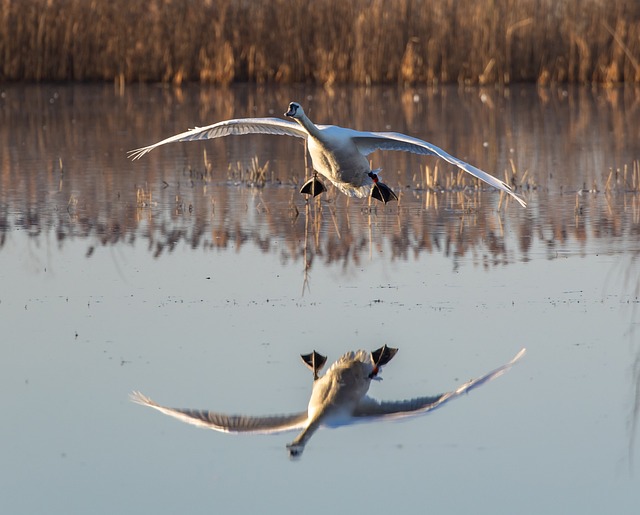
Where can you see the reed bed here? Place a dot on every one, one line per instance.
(324, 41)
(254, 174)
(625, 179)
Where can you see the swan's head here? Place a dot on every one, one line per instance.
(295, 450)
(294, 111)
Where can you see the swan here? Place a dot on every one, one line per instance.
(337, 153)
(338, 398)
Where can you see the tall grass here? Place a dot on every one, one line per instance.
(324, 41)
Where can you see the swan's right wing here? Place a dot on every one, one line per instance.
(368, 142)
(229, 128)
(371, 409)
(228, 423)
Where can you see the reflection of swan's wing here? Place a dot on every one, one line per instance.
(229, 423)
(229, 128)
(368, 142)
(370, 408)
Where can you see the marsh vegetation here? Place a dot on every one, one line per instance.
(325, 41)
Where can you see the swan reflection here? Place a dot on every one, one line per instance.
(338, 398)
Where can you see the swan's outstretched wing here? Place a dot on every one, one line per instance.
(229, 128)
(372, 409)
(229, 423)
(368, 142)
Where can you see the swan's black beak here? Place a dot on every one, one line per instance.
(295, 450)
(293, 109)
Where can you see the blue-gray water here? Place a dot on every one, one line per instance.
(183, 282)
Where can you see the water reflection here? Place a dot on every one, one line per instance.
(63, 169)
(340, 233)
(338, 398)
(472, 276)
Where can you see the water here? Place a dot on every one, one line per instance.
(173, 276)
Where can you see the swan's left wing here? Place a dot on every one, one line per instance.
(236, 127)
(228, 423)
(371, 409)
(368, 142)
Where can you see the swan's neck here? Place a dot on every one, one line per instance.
(297, 446)
(309, 126)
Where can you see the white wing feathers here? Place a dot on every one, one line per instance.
(368, 142)
(228, 423)
(372, 409)
(238, 127)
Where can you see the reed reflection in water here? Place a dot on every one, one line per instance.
(64, 170)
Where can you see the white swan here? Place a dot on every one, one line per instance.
(337, 153)
(338, 398)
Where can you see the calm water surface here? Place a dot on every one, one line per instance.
(187, 279)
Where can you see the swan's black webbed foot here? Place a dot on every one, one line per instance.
(381, 357)
(313, 187)
(315, 361)
(381, 191)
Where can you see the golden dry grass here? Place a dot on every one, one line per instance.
(324, 41)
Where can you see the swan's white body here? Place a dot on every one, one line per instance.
(338, 398)
(337, 153)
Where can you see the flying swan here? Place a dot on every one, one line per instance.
(338, 398)
(337, 153)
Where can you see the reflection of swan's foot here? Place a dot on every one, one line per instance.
(313, 187)
(381, 191)
(315, 361)
(381, 357)
(295, 450)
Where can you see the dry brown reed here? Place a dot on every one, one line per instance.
(144, 197)
(624, 180)
(431, 181)
(253, 174)
(325, 41)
